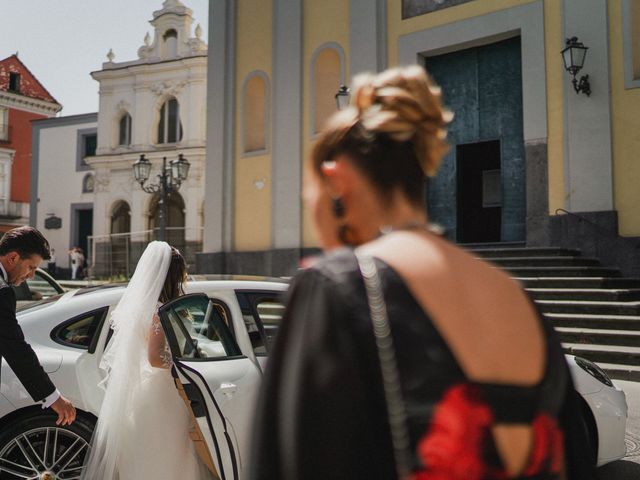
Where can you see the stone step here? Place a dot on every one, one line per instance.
(591, 308)
(593, 294)
(611, 322)
(627, 338)
(559, 261)
(578, 282)
(562, 272)
(605, 353)
(621, 372)
(524, 252)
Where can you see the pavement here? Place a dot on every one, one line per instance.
(629, 467)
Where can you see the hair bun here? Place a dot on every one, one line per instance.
(406, 105)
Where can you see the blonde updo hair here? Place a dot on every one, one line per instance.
(393, 130)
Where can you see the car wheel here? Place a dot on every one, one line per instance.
(34, 447)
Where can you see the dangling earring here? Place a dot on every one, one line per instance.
(337, 207)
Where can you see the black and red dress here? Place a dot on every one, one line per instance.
(322, 412)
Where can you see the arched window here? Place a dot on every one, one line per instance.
(170, 38)
(327, 76)
(124, 130)
(121, 218)
(255, 113)
(169, 126)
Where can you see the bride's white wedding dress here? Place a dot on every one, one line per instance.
(143, 425)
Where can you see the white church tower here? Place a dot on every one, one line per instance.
(156, 106)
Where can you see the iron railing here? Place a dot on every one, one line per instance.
(115, 256)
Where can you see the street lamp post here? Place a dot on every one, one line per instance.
(169, 180)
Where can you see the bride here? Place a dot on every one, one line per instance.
(143, 426)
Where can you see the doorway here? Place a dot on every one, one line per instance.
(82, 227)
(479, 192)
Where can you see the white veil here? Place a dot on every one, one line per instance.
(126, 361)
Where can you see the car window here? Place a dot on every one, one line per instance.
(197, 328)
(262, 314)
(79, 331)
(42, 287)
(31, 307)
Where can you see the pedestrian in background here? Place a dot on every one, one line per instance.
(51, 263)
(77, 260)
(405, 357)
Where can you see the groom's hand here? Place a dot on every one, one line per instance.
(65, 410)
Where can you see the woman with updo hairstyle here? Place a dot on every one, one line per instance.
(401, 355)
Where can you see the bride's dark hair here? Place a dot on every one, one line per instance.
(176, 276)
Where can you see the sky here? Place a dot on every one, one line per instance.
(63, 41)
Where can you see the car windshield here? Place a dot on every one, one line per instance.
(40, 304)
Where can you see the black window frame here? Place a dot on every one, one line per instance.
(81, 147)
(167, 136)
(173, 343)
(248, 301)
(99, 315)
(124, 130)
(14, 82)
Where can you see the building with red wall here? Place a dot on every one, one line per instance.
(22, 99)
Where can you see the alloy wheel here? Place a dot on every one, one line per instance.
(45, 453)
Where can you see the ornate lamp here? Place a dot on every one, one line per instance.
(180, 168)
(342, 97)
(141, 169)
(573, 56)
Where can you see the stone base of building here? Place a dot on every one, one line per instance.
(595, 234)
(273, 263)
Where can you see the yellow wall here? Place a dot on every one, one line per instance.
(554, 41)
(397, 27)
(324, 21)
(625, 105)
(252, 174)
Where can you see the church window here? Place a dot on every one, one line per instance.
(169, 126)
(124, 136)
(254, 113)
(631, 42)
(327, 76)
(170, 43)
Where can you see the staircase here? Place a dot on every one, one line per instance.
(595, 311)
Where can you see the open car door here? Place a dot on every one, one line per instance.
(220, 383)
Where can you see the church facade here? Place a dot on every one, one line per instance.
(533, 160)
(153, 106)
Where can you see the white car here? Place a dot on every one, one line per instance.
(219, 338)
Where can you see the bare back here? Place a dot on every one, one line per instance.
(489, 324)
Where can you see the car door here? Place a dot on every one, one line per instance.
(220, 383)
(262, 313)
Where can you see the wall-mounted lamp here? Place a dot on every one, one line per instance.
(573, 56)
(342, 97)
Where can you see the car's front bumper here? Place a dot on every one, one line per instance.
(609, 408)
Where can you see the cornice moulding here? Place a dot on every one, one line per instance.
(34, 105)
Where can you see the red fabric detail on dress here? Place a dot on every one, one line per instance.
(547, 452)
(454, 447)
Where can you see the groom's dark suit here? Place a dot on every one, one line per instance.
(16, 351)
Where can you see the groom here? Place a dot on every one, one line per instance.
(21, 251)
